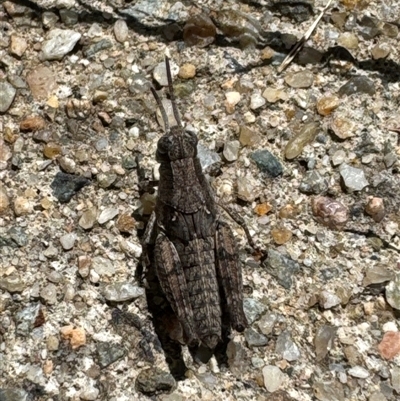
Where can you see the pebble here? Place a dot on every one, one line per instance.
(89, 393)
(389, 347)
(59, 43)
(68, 241)
(298, 141)
(330, 212)
(121, 30)
(272, 95)
(32, 123)
(232, 99)
(199, 31)
(375, 208)
(286, 348)
(255, 339)
(106, 180)
(8, 93)
(18, 45)
(273, 378)
(395, 376)
(358, 84)
(256, 101)
(65, 186)
(49, 19)
(187, 71)
(301, 79)
(328, 300)
(103, 266)
(103, 44)
(49, 294)
(126, 223)
(245, 189)
(282, 268)
(281, 235)
(338, 157)
(353, 178)
(253, 309)
(68, 165)
(42, 82)
(52, 343)
(267, 162)
(323, 341)
(327, 104)
(51, 150)
(22, 206)
(12, 284)
(329, 391)
(28, 318)
(88, 218)
(348, 40)
(75, 336)
(107, 215)
(160, 72)
(123, 291)
(380, 50)
(393, 292)
(109, 353)
(68, 17)
(13, 394)
(313, 183)
(248, 137)
(358, 372)
(267, 322)
(153, 380)
(4, 199)
(231, 150)
(343, 128)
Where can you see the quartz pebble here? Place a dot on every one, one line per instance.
(296, 144)
(380, 50)
(107, 215)
(18, 45)
(160, 72)
(123, 291)
(49, 294)
(68, 241)
(328, 300)
(273, 378)
(348, 40)
(121, 30)
(8, 93)
(353, 178)
(281, 235)
(327, 104)
(59, 43)
(75, 336)
(88, 218)
(358, 372)
(103, 266)
(286, 348)
(323, 341)
(301, 79)
(393, 292)
(256, 101)
(272, 95)
(231, 150)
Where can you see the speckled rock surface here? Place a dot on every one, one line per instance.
(308, 158)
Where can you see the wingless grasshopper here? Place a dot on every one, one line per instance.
(195, 255)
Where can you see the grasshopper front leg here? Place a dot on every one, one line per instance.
(173, 282)
(230, 275)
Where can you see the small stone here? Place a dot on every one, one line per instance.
(348, 40)
(353, 178)
(123, 291)
(88, 218)
(153, 380)
(281, 235)
(301, 79)
(160, 72)
(377, 275)
(393, 293)
(121, 30)
(18, 45)
(52, 343)
(231, 150)
(22, 206)
(107, 215)
(375, 208)
(13, 394)
(343, 128)
(395, 376)
(75, 336)
(328, 391)
(96, 47)
(267, 322)
(84, 263)
(273, 378)
(4, 200)
(187, 71)
(286, 348)
(263, 208)
(253, 309)
(42, 82)
(389, 347)
(51, 150)
(126, 223)
(68, 17)
(358, 84)
(8, 93)
(328, 300)
(67, 164)
(255, 339)
(49, 294)
(323, 341)
(297, 143)
(245, 189)
(12, 283)
(358, 372)
(232, 99)
(89, 393)
(256, 101)
(327, 104)
(68, 241)
(330, 212)
(389, 30)
(298, 11)
(313, 183)
(49, 19)
(380, 50)
(65, 186)
(103, 266)
(248, 137)
(109, 353)
(199, 31)
(281, 267)
(338, 157)
(272, 95)
(59, 43)
(32, 123)
(106, 180)
(267, 162)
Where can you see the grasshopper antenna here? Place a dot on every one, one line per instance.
(161, 107)
(171, 92)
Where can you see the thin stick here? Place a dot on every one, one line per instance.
(162, 109)
(171, 92)
(303, 40)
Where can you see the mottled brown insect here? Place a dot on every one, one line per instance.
(195, 255)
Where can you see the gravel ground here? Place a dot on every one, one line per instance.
(309, 158)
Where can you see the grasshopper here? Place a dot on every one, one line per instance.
(195, 255)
